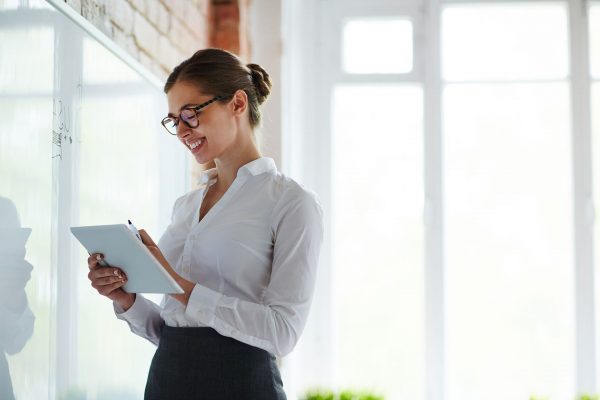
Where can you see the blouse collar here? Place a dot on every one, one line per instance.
(254, 167)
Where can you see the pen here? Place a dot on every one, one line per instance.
(134, 230)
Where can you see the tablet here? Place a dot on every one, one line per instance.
(121, 248)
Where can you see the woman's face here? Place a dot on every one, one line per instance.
(216, 129)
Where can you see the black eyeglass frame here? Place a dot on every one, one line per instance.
(196, 109)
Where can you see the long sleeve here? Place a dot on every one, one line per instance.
(143, 318)
(276, 323)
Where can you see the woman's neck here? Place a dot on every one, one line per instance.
(227, 169)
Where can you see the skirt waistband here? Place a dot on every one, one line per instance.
(205, 338)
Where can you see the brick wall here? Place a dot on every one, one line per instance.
(158, 33)
(229, 26)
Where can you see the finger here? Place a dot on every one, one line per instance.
(106, 290)
(146, 238)
(94, 260)
(105, 272)
(108, 280)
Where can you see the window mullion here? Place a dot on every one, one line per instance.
(582, 197)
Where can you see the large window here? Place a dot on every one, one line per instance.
(456, 250)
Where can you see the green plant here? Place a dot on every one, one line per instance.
(327, 394)
(587, 397)
(580, 397)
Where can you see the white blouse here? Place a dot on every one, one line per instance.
(254, 257)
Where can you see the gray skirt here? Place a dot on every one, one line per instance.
(200, 363)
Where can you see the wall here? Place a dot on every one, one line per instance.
(159, 34)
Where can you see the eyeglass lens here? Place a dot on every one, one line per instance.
(187, 116)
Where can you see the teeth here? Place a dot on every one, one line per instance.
(195, 144)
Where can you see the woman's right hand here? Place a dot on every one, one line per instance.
(108, 281)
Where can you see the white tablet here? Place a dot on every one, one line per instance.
(121, 248)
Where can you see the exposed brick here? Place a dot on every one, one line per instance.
(145, 35)
(145, 60)
(121, 14)
(169, 56)
(180, 8)
(75, 4)
(139, 5)
(178, 34)
(125, 41)
(158, 70)
(95, 12)
(200, 30)
(204, 7)
(194, 21)
(164, 19)
(152, 11)
(193, 45)
(228, 42)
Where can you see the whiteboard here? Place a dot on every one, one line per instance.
(80, 144)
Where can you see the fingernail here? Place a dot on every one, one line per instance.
(116, 272)
(98, 257)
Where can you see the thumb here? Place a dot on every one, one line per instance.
(146, 238)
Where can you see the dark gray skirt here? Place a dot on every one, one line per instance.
(200, 363)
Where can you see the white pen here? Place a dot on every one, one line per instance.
(134, 230)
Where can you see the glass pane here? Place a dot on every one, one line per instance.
(595, 40)
(26, 208)
(504, 41)
(100, 157)
(508, 240)
(126, 145)
(378, 246)
(101, 66)
(374, 46)
(17, 44)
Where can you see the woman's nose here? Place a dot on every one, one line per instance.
(182, 130)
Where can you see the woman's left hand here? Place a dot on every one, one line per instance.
(184, 283)
(153, 247)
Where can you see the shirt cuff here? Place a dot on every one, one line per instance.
(139, 311)
(202, 304)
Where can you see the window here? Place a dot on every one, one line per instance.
(377, 46)
(507, 202)
(494, 253)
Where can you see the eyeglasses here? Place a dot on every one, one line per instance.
(188, 115)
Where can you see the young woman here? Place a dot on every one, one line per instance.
(244, 246)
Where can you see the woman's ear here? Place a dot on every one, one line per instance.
(239, 102)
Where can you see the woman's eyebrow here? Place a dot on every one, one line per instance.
(180, 108)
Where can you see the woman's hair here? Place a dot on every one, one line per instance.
(221, 73)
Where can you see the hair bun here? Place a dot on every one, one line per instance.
(261, 81)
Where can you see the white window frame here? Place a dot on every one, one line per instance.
(306, 146)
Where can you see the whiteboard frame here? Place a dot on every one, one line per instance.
(105, 41)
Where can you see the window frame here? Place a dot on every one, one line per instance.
(307, 147)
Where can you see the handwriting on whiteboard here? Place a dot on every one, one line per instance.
(61, 126)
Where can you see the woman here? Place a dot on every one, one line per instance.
(244, 247)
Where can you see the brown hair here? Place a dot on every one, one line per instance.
(221, 73)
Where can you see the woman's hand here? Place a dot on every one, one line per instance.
(108, 281)
(186, 285)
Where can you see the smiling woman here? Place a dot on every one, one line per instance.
(244, 246)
